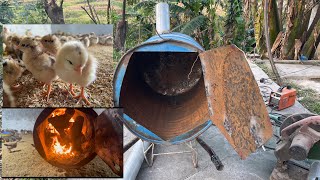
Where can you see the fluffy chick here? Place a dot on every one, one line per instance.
(94, 40)
(37, 62)
(51, 44)
(85, 41)
(9, 47)
(106, 40)
(15, 40)
(75, 65)
(11, 72)
(5, 33)
(8, 98)
(63, 39)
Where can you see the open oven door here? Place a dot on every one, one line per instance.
(235, 104)
(109, 139)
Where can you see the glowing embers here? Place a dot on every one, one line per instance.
(66, 137)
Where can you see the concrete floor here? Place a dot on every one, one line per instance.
(298, 71)
(258, 165)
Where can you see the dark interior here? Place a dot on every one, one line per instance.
(164, 92)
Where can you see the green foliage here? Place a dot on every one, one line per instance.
(6, 12)
(196, 18)
(17, 12)
(235, 24)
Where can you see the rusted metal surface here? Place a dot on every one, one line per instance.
(109, 139)
(312, 120)
(235, 104)
(300, 134)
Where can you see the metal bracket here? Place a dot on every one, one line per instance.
(150, 149)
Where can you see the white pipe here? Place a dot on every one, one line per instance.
(135, 160)
(162, 18)
(314, 171)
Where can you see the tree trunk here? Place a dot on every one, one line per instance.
(311, 44)
(274, 23)
(108, 11)
(258, 31)
(296, 25)
(54, 11)
(280, 8)
(247, 12)
(121, 31)
(120, 37)
(274, 26)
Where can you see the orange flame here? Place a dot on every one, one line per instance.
(59, 149)
(59, 112)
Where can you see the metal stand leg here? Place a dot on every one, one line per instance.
(152, 154)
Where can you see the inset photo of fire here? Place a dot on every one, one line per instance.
(62, 142)
(49, 65)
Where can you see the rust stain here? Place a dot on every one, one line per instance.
(109, 139)
(233, 94)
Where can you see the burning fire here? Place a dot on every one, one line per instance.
(59, 112)
(59, 149)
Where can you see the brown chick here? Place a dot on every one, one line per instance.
(9, 47)
(15, 43)
(8, 97)
(51, 44)
(38, 62)
(11, 73)
(5, 34)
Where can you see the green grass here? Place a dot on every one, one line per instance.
(309, 98)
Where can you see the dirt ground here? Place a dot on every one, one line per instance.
(99, 93)
(26, 162)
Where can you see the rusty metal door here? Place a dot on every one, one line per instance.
(109, 139)
(235, 104)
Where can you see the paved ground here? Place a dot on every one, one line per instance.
(298, 71)
(307, 76)
(258, 165)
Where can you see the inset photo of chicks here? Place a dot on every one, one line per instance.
(57, 65)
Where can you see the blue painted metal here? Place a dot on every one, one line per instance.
(173, 42)
(190, 44)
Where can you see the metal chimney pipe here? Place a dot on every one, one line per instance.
(162, 18)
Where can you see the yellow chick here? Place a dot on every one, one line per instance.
(75, 65)
(51, 44)
(11, 72)
(37, 62)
